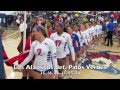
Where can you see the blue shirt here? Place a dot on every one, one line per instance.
(110, 26)
(75, 40)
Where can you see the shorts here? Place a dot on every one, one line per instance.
(84, 44)
(62, 58)
(45, 72)
(76, 49)
(29, 64)
(68, 54)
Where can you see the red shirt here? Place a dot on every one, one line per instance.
(56, 18)
(49, 32)
(116, 15)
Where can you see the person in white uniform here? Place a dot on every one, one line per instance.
(62, 39)
(45, 63)
(77, 32)
(87, 32)
(100, 31)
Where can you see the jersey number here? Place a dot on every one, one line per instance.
(58, 42)
(39, 51)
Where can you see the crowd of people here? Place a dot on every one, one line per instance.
(61, 41)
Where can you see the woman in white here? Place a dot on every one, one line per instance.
(91, 34)
(78, 33)
(22, 27)
(62, 39)
(45, 63)
(88, 37)
(83, 41)
(95, 34)
(99, 31)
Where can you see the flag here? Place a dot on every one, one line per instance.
(2, 70)
(20, 46)
(4, 53)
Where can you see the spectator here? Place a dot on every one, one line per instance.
(110, 28)
(18, 22)
(50, 31)
(22, 27)
(116, 16)
(118, 34)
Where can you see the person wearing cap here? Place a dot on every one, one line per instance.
(63, 41)
(45, 63)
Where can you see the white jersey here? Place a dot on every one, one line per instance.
(61, 44)
(82, 38)
(84, 34)
(94, 30)
(88, 34)
(45, 56)
(100, 29)
(18, 21)
(91, 33)
(22, 27)
(97, 30)
(67, 49)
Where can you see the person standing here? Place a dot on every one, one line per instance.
(103, 31)
(18, 22)
(116, 16)
(118, 34)
(2, 70)
(110, 28)
(22, 27)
